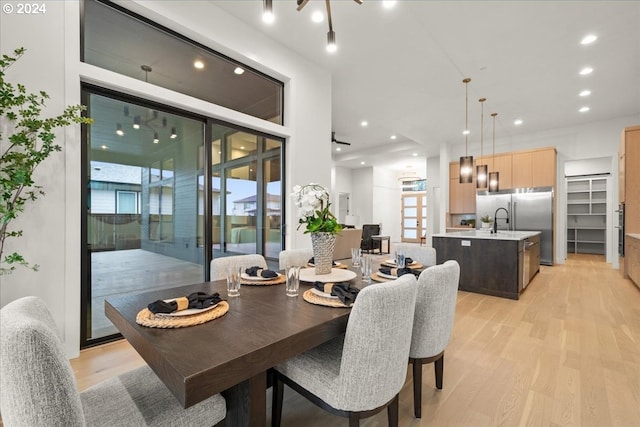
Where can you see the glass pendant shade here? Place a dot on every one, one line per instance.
(481, 176)
(466, 169)
(494, 182)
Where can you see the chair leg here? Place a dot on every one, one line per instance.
(276, 400)
(392, 412)
(417, 387)
(354, 419)
(439, 370)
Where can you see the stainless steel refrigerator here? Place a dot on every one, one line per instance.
(527, 210)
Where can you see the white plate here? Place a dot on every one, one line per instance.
(323, 294)
(245, 276)
(187, 312)
(336, 275)
(386, 276)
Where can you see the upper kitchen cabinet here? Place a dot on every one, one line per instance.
(462, 197)
(536, 168)
(499, 163)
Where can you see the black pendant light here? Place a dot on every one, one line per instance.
(481, 170)
(466, 161)
(494, 177)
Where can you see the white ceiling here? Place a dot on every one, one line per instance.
(402, 69)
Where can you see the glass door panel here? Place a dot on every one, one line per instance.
(413, 217)
(273, 211)
(241, 208)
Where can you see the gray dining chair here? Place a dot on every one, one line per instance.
(423, 254)
(37, 386)
(219, 265)
(433, 323)
(360, 373)
(294, 257)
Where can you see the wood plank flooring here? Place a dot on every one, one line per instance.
(566, 354)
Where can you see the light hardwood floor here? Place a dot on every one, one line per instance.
(566, 354)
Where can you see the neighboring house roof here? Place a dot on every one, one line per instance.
(113, 172)
(270, 198)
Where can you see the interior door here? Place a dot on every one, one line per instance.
(414, 216)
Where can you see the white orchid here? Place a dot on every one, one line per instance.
(312, 201)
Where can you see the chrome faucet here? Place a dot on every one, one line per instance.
(495, 219)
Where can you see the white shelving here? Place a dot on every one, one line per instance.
(586, 215)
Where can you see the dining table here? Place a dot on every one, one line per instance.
(231, 354)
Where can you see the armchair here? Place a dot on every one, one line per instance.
(368, 244)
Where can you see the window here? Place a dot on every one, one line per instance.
(127, 202)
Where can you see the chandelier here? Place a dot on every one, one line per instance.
(269, 17)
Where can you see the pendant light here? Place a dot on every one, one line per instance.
(466, 162)
(481, 170)
(494, 177)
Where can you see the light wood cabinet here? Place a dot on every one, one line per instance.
(522, 170)
(621, 168)
(632, 253)
(462, 197)
(630, 191)
(501, 163)
(535, 168)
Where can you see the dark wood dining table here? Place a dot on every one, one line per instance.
(231, 354)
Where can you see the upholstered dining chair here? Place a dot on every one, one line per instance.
(368, 244)
(422, 254)
(37, 386)
(297, 257)
(360, 373)
(219, 265)
(433, 323)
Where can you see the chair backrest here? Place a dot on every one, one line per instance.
(297, 257)
(37, 386)
(369, 230)
(376, 344)
(219, 265)
(423, 254)
(435, 309)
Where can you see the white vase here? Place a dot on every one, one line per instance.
(486, 224)
(323, 245)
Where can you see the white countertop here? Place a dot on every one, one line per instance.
(486, 234)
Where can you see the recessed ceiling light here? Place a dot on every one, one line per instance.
(517, 122)
(104, 147)
(242, 147)
(585, 92)
(393, 137)
(364, 123)
(338, 149)
(466, 132)
(586, 70)
(317, 16)
(414, 155)
(588, 39)
(198, 64)
(584, 109)
(362, 163)
(388, 4)
(239, 70)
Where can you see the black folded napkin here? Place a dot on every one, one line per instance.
(395, 271)
(408, 261)
(260, 272)
(311, 261)
(345, 293)
(197, 300)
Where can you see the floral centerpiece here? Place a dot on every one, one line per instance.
(312, 201)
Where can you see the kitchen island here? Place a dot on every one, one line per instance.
(500, 264)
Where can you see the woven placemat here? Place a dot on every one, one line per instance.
(414, 266)
(309, 296)
(147, 318)
(276, 281)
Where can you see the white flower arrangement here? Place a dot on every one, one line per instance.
(312, 201)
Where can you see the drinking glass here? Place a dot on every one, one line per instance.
(293, 280)
(233, 281)
(356, 254)
(365, 266)
(399, 259)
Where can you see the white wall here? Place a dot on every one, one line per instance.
(52, 226)
(362, 194)
(387, 194)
